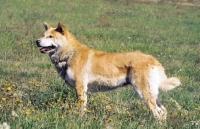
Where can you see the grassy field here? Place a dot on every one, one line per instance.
(32, 95)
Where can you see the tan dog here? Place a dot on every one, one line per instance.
(88, 70)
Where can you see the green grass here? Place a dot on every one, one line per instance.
(32, 88)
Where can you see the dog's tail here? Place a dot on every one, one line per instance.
(169, 84)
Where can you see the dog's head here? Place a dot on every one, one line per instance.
(53, 38)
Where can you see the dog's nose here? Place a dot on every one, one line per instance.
(38, 43)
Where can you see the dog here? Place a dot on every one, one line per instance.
(89, 70)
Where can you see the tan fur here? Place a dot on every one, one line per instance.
(91, 70)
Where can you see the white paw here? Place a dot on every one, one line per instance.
(160, 113)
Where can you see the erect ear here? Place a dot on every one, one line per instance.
(46, 26)
(60, 28)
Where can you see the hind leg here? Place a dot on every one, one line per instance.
(152, 102)
(152, 86)
(162, 108)
(158, 110)
(151, 98)
(147, 86)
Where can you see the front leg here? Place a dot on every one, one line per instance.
(81, 90)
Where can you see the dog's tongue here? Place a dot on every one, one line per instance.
(42, 50)
(46, 49)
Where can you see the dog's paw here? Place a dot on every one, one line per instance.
(160, 113)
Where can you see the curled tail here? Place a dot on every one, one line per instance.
(169, 84)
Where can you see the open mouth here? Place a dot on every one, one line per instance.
(46, 49)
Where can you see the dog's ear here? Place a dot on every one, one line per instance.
(60, 28)
(46, 26)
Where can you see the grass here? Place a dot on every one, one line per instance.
(32, 95)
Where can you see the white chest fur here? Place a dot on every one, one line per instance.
(69, 77)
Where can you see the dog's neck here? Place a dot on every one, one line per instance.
(62, 62)
(58, 57)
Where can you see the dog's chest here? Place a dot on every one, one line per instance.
(65, 72)
(61, 69)
(69, 77)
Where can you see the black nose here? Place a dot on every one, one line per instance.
(38, 43)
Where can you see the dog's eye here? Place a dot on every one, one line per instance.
(50, 36)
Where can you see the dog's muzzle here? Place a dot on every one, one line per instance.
(44, 49)
(38, 43)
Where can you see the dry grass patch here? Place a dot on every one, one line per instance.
(103, 21)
